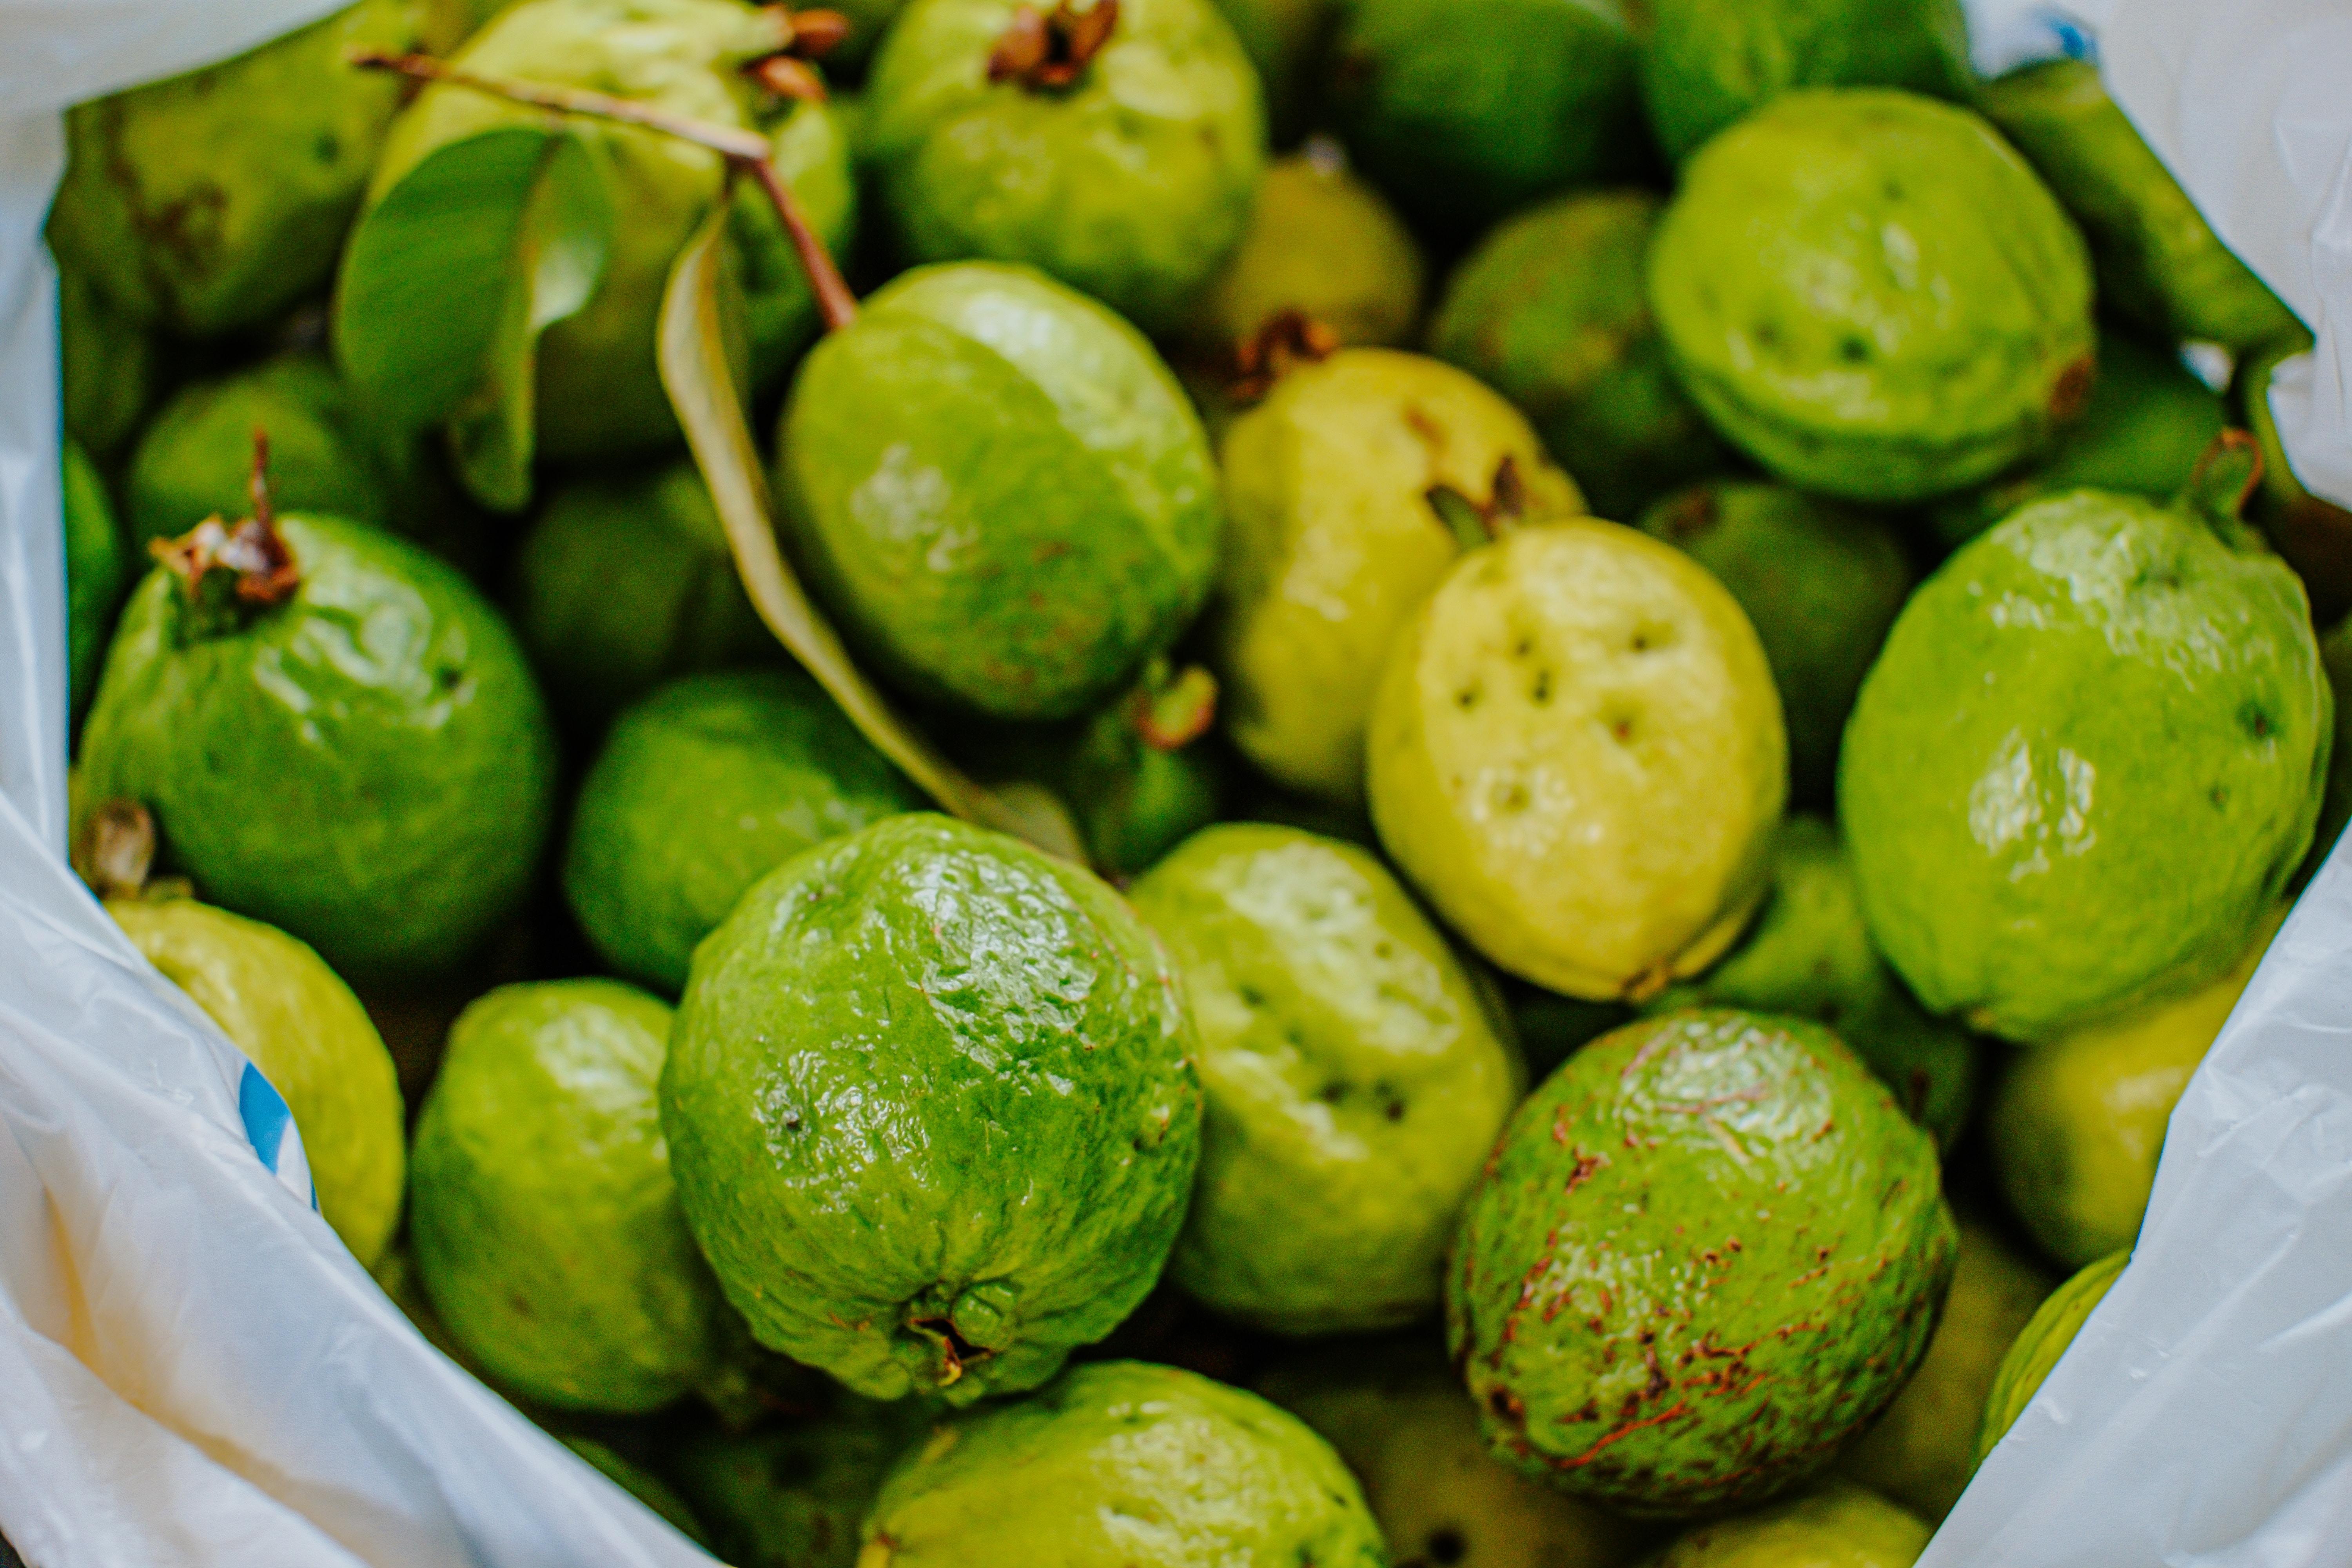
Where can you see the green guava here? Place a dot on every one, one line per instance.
(1566, 691)
(1707, 1250)
(1872, 295)
(542, 1211)
(1553, 311)
(1809, 956)
(933, 1107)
(280, 1004)
(1123, 1465)
(794, 1495)
(1820, 583)
(105, 366)
(622, 584)
(702, 789)
(217, 200)
(643, 1485)
(1355, 1079)
(1125, 171)
(1336, 537)
(99, 572)
(2158, 262)
(1838, 1525)
(999, 490)
(2040, 1345)
(1284, 41)
(1707, 63)
(2314, 535)
(364, 763)
(1460, 121)
(2090, 757)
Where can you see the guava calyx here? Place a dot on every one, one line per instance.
(1475, 523)
(2071, 393)
(976, 1324)
(810, 36)
(225, 568)
(115, 848)
(1049, 50)
(1284, 341)
(1172, 710)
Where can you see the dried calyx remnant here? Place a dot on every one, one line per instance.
(1045, 51)
(115, 849)
(1480, 522)
(1284, 341)
(226, 568)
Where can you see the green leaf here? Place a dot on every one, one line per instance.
(703, 384)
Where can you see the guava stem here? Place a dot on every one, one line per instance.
(2222, 483)
(1174, 716)
(833, 299)
(253, 551)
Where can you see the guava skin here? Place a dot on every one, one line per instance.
(216, 200)
(1354, 1080)
(1133, 184)
(1838, 1526)
(641, 1484)
(106, 366)
(542, 1215)
(1123, 1465)
(98, 572)
(1952, 337)
(2036, 860)
(2042, 1344)
(999, 490)
(1284, 41)
(702, 789)
(794, 1495)
(1553, 311)
(933, 1110)
(1706, 1251)
(1321, 242)
(367, 765)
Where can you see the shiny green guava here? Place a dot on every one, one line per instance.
(1553, 311)
(2089, 758)
(643, 1485)
(1462, 123)
(106, 366)
(794, 1495)
(1809, 956)
(366, 765)
(1131, 183)
(542, 1211)
(1837, 1525)
(933, 1110)
(1333, 542)
(286, 1010)
(1123, 1465)
(2042, 1343)
(999, 492)
(216, 200)
(1873, 296)
(1820, 583)
(1707, 63)
(1355, 1079)
(2314, 535)
(1922, 1452)
(1284, 41)
(622, 584)
(1706, 1251)
(702, 789)
(99, 572)
(2158, 263)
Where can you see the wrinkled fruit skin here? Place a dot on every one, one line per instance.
(1354, 1080)
(1955, 339)
(1706, 1251)
(1553, 311)
(999, 490)
(1838, 1526)
(2042, 1344)
(216, 200)
(1133, 184)
(2037, 860)
(793, 1495)
(1123, 1465)
(366, 766)
(1321, 241)
(702, 789)
(933, 1110)
(544, 1220)
(99, 572)
(1566, 691)
(1334, 544)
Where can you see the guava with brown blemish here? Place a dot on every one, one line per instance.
(1705, 1252)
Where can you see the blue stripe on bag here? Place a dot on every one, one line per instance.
(269, 1128)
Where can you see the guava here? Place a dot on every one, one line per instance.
(933, 1110)
(1707, 63)
(1922, 1452)
(622, 584)
(280, 1004)
(99, 572)
(217, 200)
(336, 735)
(2079, 1123)
(1706, 1251)
(1872, 295)
(106, 366)
(1553, 311)
(543, 1214)
(2158, 263)
(1461, 119)
(1337, 537)
(2089, 758)
(794, 1495)
(700, 790)
(999, 492)
(1123, 1465)
(1820, 583)
(1139, 775)
(643, 1485)
(1123, 164)
(1355, 1079)
(1567, 690)
(1284, 41)
(2313, 534)
(1809, 955)
(1838, 1525)
(2040, 1345)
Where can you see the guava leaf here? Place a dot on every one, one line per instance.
(704, 390)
